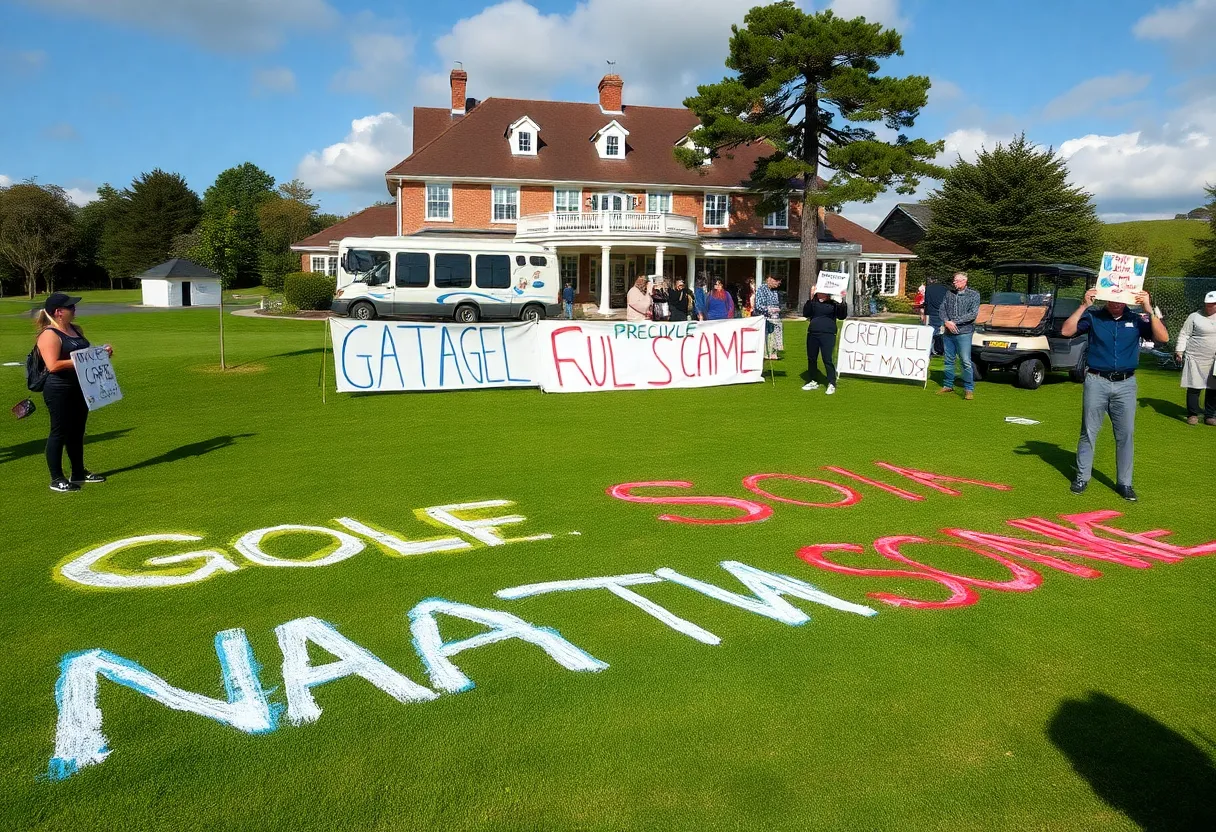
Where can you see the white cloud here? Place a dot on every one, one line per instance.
(227, 25)
(380, 60)
(357, 163)
(1091, 94)
(274, 79)
(5, 181)
(1188, 25)
(875, 11)
(81, 196)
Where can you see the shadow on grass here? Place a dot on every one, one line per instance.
(1171, 410)
(1149, 772)
(194, 449)
(36, 447)
(1062, 459)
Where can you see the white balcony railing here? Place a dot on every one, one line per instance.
(567, 224)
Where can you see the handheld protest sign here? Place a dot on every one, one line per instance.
(97, 379)
(832, 283)
(1121, 276)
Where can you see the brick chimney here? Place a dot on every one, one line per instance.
(460, 82)
(611, 86)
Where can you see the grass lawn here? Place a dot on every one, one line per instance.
(1085, 704)
(19, 303)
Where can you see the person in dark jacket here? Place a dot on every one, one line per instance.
(58, 338)
(681, 303)
(931, 315)
(822, 311)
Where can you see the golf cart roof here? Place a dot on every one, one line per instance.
(1035, 267)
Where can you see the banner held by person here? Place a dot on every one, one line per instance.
(872, 348)
(413, 355)
(590, 356)
(96, 374)
(833, 283)
(1121, 276)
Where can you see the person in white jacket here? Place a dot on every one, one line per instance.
(1197, 342)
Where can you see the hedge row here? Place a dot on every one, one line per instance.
(308, 290)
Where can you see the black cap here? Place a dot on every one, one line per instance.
(58, 300)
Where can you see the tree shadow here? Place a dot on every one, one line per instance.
(1062, 459)
(1171, 410)
(36, 447)
(1155, 776)
(194, 449)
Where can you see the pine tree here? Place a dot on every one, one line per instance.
(804, 84)
(155, 210)
(1203, 264)
(1013, 202)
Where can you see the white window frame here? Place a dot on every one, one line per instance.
(705, 210)
(519, 142)
(329, 264)
(884, 270)
(669, 266)
(495, 190)
(655, 201)
(609, 146)
(770, 223)
(563, 260)
(426, 202)
(568, 208)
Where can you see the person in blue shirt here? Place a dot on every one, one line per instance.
(568, 300)
(1110, 380)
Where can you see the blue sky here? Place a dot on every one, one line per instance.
(100, 90)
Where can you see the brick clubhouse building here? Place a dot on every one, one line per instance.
(600, 185)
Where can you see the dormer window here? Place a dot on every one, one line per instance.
(610, 140)
(522, 135)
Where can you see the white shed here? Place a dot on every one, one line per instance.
(180, 283)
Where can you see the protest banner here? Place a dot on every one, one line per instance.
(832, 283)
(1121, 276)
(96, 375)
(411, 355)
(586, 356)
(872, 348)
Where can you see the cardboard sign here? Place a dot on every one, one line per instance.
(1121, 276)
(870, 348)
(592, 356)
(832, 283)
(96, 376)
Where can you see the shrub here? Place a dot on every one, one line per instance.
(897, 304)
(273, 282)
(308, 290)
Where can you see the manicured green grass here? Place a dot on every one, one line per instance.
(20, 303)
(1169, 244)
(1085, 704)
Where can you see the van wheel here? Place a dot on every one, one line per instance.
(466, 313)
(1031, 374)
(532, 312)
(1078, 372)
(362, 311)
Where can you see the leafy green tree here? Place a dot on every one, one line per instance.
(1203, 264)
(806, 84)
(289, 216)
(155, 210)
(229, 234)
(1013, 202)
(91, 223)
(37, 230)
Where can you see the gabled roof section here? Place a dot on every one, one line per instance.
(177, 268)
(472, 148)
(523, 121)
(429, 122)
(376, 221)
(838, 229)
(614, 124)
(919, 213)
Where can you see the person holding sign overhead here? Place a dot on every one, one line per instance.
(1110, 380)
(58, 338)
(822, 311)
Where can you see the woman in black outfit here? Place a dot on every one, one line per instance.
(58, 337)
(822, 312)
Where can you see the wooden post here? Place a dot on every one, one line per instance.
(223, 366)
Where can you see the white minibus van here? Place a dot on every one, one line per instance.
(465, 280)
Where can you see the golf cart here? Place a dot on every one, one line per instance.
(1019, 329)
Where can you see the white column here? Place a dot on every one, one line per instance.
(759, 271)
(659, 251)
(605, 251)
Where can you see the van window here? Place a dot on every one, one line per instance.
(413, 269)
(520, 260)
(453, 271)
(537, 261)
(493, 271)
(367, 265)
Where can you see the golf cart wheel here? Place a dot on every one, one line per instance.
(1031, 374)
(466, 313)
(533, 312)
(363, 311)
(1078, 372)
(979, 369)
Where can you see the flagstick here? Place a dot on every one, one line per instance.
(324, 344)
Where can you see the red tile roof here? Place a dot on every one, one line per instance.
(846, 231)
(429, 122)
(377, 221)
(475, 146)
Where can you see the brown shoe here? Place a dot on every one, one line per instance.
(1211, 420)
(1192, 420)
(945, 390)
(968, 395)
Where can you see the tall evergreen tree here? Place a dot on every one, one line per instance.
(229, 234)
(806, 84)
(1203, 264)
(91, 223)
(1013, 202)
(157, 208)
